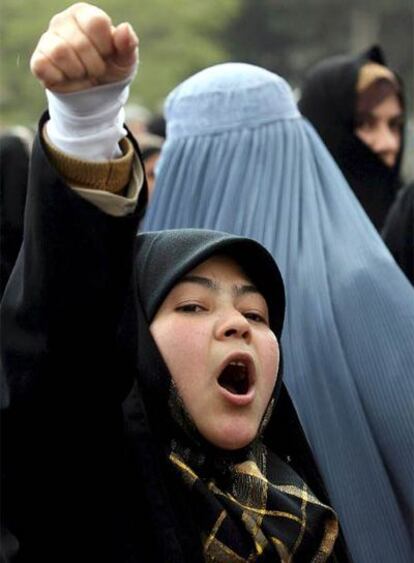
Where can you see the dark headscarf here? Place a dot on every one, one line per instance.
(328, 100)
(265, 509)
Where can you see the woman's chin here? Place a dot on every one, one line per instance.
(231, 437)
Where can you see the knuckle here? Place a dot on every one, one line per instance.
(44, 39)
(55, 20)
(83, 45)
(37, 65)
(79, 6)
(98, 69)
(94, 64)
(41, 70)
(76, 70)
(51, 46)
(59, 53)
(97, 24)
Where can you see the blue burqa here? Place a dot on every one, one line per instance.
(240, 158)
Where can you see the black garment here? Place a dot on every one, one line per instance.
(328, 100)
(398, 231)
(84, 470)
(71, 488)
(14, 168)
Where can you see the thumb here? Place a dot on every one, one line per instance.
(126, 46)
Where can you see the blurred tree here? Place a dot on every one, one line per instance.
(181, 37)
(177, 39)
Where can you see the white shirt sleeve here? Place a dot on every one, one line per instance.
(89, 124)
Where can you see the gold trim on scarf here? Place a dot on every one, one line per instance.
(253, 501)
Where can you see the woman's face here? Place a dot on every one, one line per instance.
(380, 129)
(213, 333)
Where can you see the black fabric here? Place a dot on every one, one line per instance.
(66, 495)
(328, 101)
(85, 474)
(14, 169)
(398, 231)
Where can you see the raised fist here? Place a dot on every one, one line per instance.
(81, 49)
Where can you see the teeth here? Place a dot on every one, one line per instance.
(240, 364)
(242, 369)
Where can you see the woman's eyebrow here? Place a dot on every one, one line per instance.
(200, 280)
(238, 289)
(245, 289)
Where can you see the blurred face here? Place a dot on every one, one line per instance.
(149, 164)
(380, 129)
(213, 333)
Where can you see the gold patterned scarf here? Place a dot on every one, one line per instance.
(247, 516)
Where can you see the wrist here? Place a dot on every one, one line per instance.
(109, 176)
(89, 124)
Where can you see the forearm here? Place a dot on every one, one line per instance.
(66, 292)
(86, 142)
(113, 186)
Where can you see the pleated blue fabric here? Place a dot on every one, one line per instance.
(240, 158)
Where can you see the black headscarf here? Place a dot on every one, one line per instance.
(256, 502)
(328, 100)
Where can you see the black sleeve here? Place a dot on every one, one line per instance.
(63, 304)
(61, 389)
(398, 231)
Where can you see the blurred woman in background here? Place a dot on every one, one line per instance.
(356, 105)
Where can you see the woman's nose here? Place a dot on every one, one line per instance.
(233, 325)
(386, 140)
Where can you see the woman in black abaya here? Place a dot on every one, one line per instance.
(340, 97)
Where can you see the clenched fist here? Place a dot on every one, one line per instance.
(81, 49)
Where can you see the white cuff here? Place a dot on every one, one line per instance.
(89, 124)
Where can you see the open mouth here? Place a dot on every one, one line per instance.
(235, 377)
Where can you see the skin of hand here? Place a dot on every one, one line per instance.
(82, 48)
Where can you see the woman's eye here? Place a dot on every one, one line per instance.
(364, 122)
(365, 126)
(395, 125)
(256, 317)
(190, 308)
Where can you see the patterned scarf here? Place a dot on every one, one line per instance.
(244, 515)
